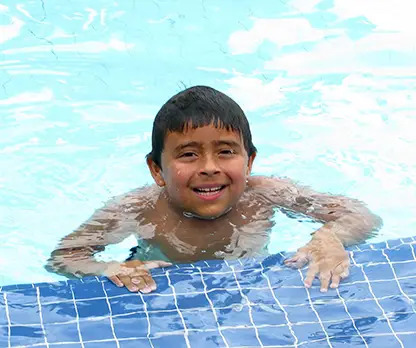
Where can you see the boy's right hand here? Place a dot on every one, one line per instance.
(134, 274)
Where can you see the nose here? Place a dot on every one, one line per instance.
(209, 166)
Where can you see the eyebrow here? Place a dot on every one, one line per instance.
(230, 143)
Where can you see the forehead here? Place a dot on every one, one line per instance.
(205, 134)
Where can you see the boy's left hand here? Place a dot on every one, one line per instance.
(326, 256)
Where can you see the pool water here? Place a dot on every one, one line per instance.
(328, 87)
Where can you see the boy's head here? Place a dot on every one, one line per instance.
(202, 151)
(196, 107)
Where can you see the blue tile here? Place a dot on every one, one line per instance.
(377, 272)
(177, 341)
(408, 286)
(341, 328)
(192, 301)
(155, 302)
(92, 308)
(401, 322)
(405, 269)
(3, 316)
(388, 341)
(206, 339)
(220, 281)
(355, 275)
(284, 276)
(126, 304)
(253, 278)
(58, 312)
(365, 309)
(408, 340)
(395, 243)
(385, 288)
(276, 336)
(291, 296)
(185, 283)
(234, 316)
(302, 313)
(24, 314)
(331, 311)
(4, 336)
(309, 332)
(165, 322)
(225, 298)
(162, 284)
(141, 342)
(95, 328)
(22, 297)
(268, 314)
(260, 296)
(21, 335)
(56, 333)
(199, 319)
(105, 344)
(348, 341)
(355, 291)
(370, 325)
(131, 325)
(87, 291)
(397, 303)
(367, 256)
(241, 337)
(55, 293)
(404, 253)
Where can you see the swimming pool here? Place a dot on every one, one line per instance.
(328, 89)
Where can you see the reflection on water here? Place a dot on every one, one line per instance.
(328, 86)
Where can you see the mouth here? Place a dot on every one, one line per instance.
(209, 193)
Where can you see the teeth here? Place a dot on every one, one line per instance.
(213, 189)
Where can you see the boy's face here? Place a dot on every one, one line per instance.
(204, 169)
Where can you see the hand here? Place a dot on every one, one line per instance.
(134, 275)
(327, 257)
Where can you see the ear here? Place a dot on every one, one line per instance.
(156, 172)
(250, 163)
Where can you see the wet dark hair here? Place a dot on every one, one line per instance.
(196, 107)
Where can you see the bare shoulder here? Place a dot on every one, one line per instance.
(268, 182)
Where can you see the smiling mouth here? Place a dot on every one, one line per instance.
(208, 191)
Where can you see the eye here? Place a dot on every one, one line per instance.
(187, 155)
(227, 152)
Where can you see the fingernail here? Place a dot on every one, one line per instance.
(145, 290)
(324, 290)
(134, 288)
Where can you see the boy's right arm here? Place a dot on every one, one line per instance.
(74, 255)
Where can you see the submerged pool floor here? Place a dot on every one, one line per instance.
(244, 303)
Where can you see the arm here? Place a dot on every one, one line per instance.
(346, 221)
(74, 255)
(349, 219)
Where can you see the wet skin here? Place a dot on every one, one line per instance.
(205, 173)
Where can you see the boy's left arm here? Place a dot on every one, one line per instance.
(346, 222)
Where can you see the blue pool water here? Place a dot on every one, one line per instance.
(328, 87)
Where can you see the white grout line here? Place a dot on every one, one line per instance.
(9, 325)
(250, 311)
(41, 317)
(352, 319)
(111, 316)
(411, 301)
(379, 306)
(185, 329)
(314, 310)
(77, 317)
(289, 324)
(147, 318)
(214, 312)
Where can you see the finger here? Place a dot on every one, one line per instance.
(156, 264)
(296, 261)
(335, 280)
(150, 284)
(116, 281)
(325, 277)
(128, 283)
(310, 275)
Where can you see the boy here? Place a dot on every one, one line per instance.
(206, 205)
